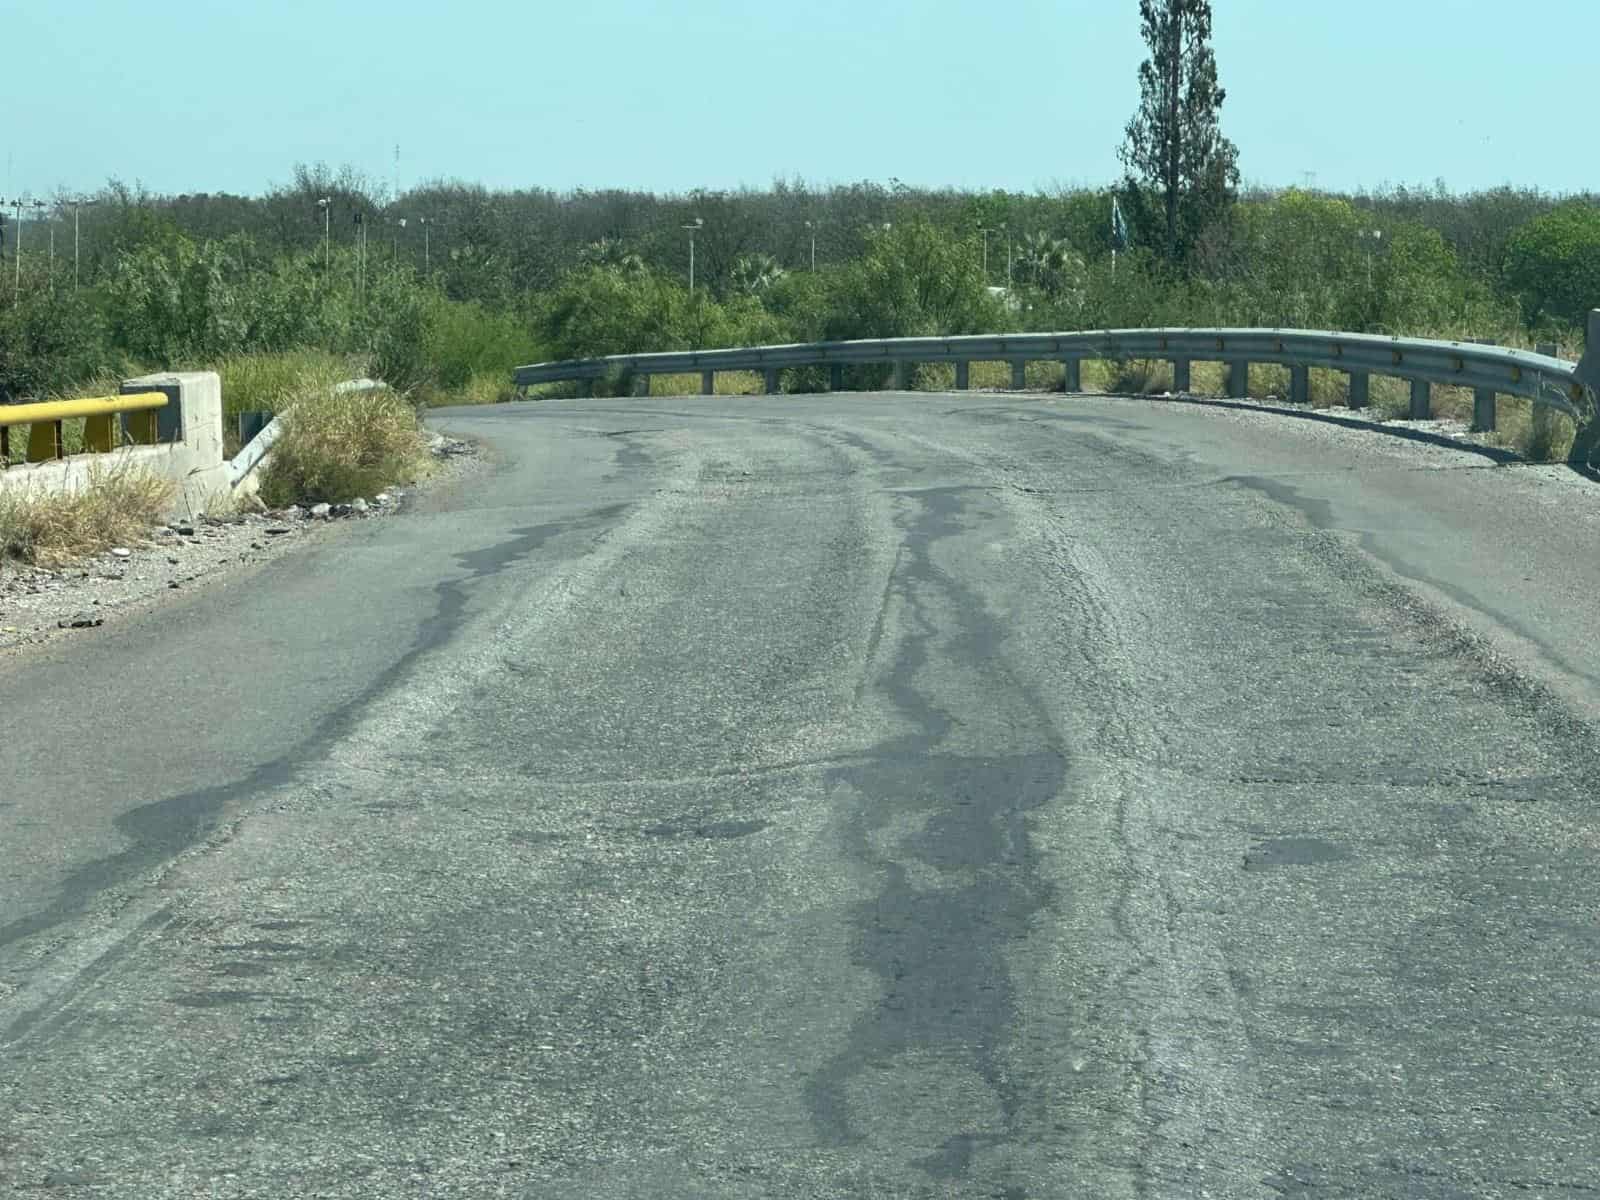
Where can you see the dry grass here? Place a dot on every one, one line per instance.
(272, 382)
(726, 383)
(337, 446)
(119, 505)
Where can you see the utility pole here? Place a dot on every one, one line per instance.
(811, 225)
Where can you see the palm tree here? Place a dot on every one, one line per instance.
(755, 273)
(1049, 263)
(613, 255)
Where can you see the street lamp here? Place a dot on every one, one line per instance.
(1370, 238)
(39, 206)
(78, 203)
(812, 226)
(427, 244)
(17, 294)
(693, 227)
(985, 230)
(327, 241)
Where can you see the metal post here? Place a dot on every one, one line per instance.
(1299, 385)
(75, 272)
(1071, 375)
(1421, 400)
(1239, 378)
(1482, 400)
(641, 385)
(1543, 414)
(17, 296)
(769, 381)
(1019, 375)
(961, 375)
(708, 383)
(1482, 410)
(1360, 391)
(1180, 376)
(902, 375)
(836, 377)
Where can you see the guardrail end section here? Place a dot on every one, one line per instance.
(1586, 442)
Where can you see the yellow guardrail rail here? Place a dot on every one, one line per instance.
(99, 426)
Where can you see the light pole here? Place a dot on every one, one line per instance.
(1370, 238)
(50, 278)
(327, 240)
(427, 244)
(693, 227)
(361, 255)
(17, 293)
(76, 273)
(812, 226)
(984, 229)
(1007, 232)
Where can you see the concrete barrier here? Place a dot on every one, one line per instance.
(188, 449)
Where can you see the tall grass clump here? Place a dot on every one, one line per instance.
(336, 446)
(118, 505)
(270, 382)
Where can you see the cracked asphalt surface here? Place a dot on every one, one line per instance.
(833, 796)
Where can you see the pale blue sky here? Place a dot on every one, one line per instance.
(597, 93)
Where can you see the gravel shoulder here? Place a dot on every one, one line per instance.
(39, 605)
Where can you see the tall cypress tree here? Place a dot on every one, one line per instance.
(1175, 156)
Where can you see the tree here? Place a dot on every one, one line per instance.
(753, 274)
(1174, 146)
(1553, 262)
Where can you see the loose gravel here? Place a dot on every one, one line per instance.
(38, 605)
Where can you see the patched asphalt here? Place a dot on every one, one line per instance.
(962, 795)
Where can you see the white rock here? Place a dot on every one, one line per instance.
(359, 505)
(121, 552)
(321, 511)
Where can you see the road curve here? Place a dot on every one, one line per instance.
(833, 796)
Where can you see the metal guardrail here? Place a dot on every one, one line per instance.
(255, 451)
(100, 432)
(1488, 370)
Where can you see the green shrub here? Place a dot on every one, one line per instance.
(337, 446)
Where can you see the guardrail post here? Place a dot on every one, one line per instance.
(1180, 375)
(1543, 415)
(641, 385)
(1239, 378)
(1359, 394)
(962, 376)
(1586, 438)
(1421, 400)
(1019, 374)
(708, 383)
(1299, 385)
(769, 381)
(1072, 375)
(1482, 399)
(44, 441)
(1482, 410)
(836, 377)
(902, 375)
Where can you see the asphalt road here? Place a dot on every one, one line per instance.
(838, 796)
